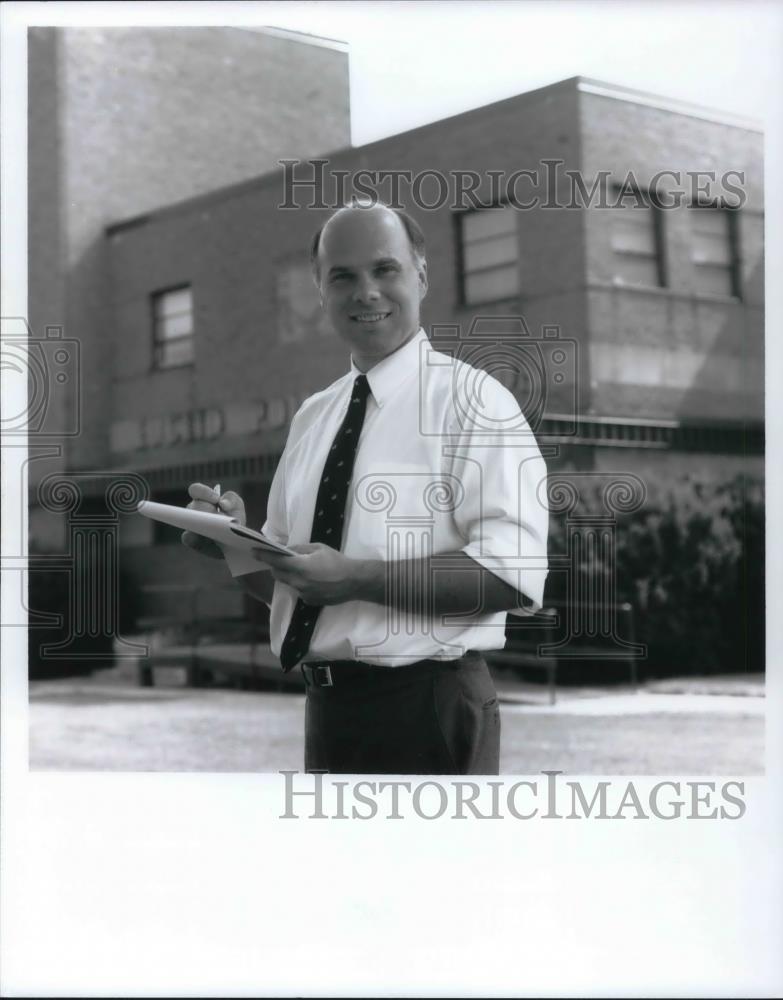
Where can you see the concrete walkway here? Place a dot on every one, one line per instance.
(106, 722)
(742, 694)
(643, 702)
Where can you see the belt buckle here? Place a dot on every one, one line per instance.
(322, 675)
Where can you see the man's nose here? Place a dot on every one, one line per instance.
(366, 290)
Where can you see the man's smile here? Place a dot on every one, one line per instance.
(370, 317)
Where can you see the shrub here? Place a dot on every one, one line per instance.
(691, 562)
(50, 592)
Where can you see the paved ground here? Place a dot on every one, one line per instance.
(681, 727)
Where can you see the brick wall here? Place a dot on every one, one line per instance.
(230, 244)
(673, 352)
(46, 238)
(126, 120)
(678, 354)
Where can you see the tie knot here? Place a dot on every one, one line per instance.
(361, 386)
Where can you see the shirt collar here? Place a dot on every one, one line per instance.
(392, 371)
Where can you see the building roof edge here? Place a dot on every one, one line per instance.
(580, 84)
(304, 37)
(599, 88)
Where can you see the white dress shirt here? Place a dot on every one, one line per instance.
(446, 462)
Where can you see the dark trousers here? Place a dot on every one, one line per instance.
(432, 717)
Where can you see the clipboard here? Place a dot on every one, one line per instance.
(239, 543)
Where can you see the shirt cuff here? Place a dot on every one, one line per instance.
(273, 534)
(526, 575)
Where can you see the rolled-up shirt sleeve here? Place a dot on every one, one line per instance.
(276, 523)
(503, 514)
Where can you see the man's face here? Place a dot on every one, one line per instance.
(371, 285)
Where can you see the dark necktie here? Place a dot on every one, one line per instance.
(328, 516)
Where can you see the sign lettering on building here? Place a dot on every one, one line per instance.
(202, 425)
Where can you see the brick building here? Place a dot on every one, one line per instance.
(124, 120)
(648, 320)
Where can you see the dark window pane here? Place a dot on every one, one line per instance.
(489, 253)
(711, 221)
(636, 235)
(175, 352)
(490, 222)
(636, 242)
(712, 250)
(632, 270)
(173, 327)
(176, 301)
(486, 286)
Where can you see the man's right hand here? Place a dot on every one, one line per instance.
(206, 499)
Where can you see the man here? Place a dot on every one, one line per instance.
(417, 523)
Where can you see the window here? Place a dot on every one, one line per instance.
(172, 321)
(714, 250)
(637, 242)
(489, 255)
(299, 312)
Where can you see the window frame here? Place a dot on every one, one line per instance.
(734, 266)
(157, 342)
(462, 275)
(659, 243)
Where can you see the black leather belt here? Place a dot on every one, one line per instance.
(331, 673)
(327, 673)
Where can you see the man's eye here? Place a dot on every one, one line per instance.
(338, 277)
(385, 268)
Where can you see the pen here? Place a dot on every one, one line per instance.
(216, 488)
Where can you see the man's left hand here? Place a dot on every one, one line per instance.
(319, 574)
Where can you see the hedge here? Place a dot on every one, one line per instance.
(691, 562)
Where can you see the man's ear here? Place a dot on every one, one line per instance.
(422, 269)
(317, 283)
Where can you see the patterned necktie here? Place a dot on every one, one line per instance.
(329, 515)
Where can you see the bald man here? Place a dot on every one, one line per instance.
(402, 533)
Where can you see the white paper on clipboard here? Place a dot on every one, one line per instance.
(237, 540)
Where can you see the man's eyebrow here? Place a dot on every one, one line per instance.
(340, 268)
